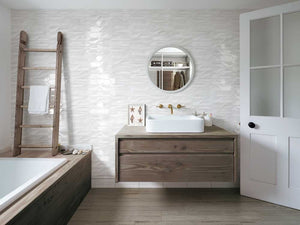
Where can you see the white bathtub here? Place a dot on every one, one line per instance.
(19, 175)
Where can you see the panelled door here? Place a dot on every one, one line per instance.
(270, 104)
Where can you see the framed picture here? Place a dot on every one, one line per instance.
(136, 114)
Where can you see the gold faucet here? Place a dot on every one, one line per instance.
(179, 106)
(171, 107)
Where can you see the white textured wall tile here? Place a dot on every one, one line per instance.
(105, 59)
(5, 110)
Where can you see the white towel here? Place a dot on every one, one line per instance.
(38, 100)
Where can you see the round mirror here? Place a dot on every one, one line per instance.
(171, 69)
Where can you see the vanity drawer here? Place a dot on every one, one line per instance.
(153, 145)
(176, 167)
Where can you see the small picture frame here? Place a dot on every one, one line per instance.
(136, 114)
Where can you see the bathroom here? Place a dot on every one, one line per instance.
(108, 48)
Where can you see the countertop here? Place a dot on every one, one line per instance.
(140, 132)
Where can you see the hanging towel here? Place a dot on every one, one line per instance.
(177, 82)
(38, 100)
(183, 78)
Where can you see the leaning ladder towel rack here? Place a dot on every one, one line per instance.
(20, 94)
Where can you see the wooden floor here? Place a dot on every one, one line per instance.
(179, 207)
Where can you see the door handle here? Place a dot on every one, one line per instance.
(251, 125)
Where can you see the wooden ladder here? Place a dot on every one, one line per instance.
(20, 94)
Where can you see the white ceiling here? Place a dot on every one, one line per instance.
(141, 4)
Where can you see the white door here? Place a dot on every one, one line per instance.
(270, 104)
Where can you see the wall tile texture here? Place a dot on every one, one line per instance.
(105, 68)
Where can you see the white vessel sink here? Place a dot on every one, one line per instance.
(171, 123)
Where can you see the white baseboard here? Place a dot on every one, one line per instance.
(110, 183)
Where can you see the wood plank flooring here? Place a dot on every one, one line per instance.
(178, 207)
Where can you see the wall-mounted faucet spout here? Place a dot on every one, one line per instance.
(171, 107)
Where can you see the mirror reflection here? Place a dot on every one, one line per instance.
(170, 68)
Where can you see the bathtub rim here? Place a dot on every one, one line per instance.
(16, 208)
(17, 193)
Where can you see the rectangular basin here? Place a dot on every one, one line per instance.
(174, 124)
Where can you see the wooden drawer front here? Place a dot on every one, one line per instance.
(176, 145)
(176, 167)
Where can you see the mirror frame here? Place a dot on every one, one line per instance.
(191, 69)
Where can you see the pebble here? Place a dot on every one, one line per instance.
(75, 152)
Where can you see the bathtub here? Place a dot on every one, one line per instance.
(19, 175)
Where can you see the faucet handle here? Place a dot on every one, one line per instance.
(160, 106)
(179, 106)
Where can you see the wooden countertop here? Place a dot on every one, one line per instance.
(26, 199)
(140, 132)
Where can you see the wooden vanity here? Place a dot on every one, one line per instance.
(175, 157)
